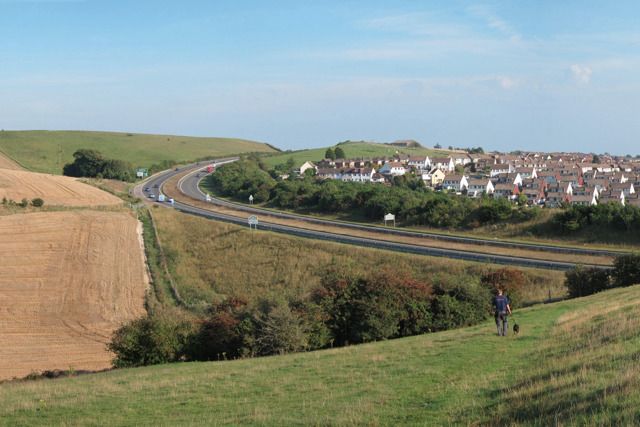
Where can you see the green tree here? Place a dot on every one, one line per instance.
(339, 152)
(626, 270)
(330, 154)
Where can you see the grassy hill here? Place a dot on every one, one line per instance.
(48, 151)
(352, 150)
(575, 362)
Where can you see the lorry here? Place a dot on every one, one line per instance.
(161, 197)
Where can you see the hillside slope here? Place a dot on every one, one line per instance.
(575, 362)
(49, 151)
(352, 150)
(54, 190)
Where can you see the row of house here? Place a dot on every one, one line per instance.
(549, 179)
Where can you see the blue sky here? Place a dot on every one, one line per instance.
(541, 75)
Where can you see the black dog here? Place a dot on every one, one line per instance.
(516, 329)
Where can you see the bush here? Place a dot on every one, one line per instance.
(379, 306)
(159, 338)
(24, 203)
(626, 270)
(582, 281)
(510, 280)
(457, 305)
(37, 202)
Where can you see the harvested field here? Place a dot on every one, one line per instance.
(67, 280)
(7, 163)
(53, 189)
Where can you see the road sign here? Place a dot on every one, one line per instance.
(390, 217)
(250, 199)
(253, 222)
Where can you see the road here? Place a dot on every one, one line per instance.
(189, 185)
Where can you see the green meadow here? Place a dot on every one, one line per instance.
(49, 151)
(574, 363)
(352, 150)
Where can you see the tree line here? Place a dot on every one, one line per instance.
(407, 197)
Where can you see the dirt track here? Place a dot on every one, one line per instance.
(67, 280)
(53, 189)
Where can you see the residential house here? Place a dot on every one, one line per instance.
(306, 166)
(358, 174)
(435, 177)
(443, 163)
(393, 169)
(455, 183)
(505, 190)
(478, 186)
(420, 163)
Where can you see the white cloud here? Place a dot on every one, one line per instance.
(495, 22)
(581, 73)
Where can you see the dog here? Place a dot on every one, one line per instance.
(516, 329)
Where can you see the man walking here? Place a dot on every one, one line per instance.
(501, 304)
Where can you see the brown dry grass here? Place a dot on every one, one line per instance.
(67, 280)
(53, 189)
(210, 260)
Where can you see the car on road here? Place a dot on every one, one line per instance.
(152, 196)
(146, 189)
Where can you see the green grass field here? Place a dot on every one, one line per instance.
(352, 150)
(574, 363)
(48, 151)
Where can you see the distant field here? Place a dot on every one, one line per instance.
(352, 150)
(49, 151)
(211, 260)
(574, 361)
(54, 190)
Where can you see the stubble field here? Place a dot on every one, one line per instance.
(54, 190)
(67, 280)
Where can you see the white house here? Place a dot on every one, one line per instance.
(443, 163)
(358, 175)
(477, 187)
(306, 166)
(393, 168)
(455, 182)
(420, 162)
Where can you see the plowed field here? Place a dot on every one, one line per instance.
(53, 189)
(67, 280)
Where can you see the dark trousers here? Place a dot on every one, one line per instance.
(502, 323)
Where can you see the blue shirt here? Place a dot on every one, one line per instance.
(501, 302)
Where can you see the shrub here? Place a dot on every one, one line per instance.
(24, 203)
(457, 305)
(37, 202)
(626, 270)
(277, 330)
(369, 308)
(510, 280)
(582, 281)
(158, 338)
